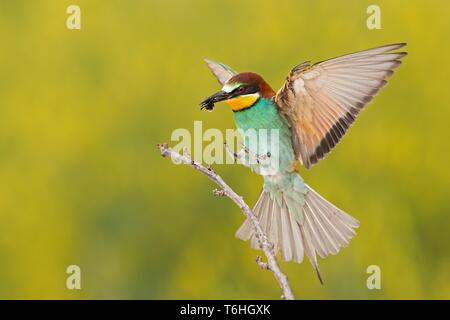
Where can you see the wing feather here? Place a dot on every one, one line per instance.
(221, 71)
(322, 100)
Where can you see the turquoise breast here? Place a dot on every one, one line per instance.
(266, 137)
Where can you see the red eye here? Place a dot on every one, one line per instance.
(241, 89)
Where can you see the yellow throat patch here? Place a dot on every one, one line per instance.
(242, 102)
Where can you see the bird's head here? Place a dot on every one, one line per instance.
(240, 92)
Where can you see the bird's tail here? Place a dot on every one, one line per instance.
(298, 221)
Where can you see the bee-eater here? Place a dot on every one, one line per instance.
(311, 113)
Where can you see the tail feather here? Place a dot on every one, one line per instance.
(322, 228)
(297, 241)
(274, 222)
(317, 241)
(245, 232)
(283, 235)
(310, 251)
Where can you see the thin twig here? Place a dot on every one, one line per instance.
(225, 190)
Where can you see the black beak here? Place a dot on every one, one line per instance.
(208, 103)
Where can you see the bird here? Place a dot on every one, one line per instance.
(310, 113)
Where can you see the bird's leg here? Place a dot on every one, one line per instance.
(239, 156)
(257, 157)
(245, 156)
(231, 152)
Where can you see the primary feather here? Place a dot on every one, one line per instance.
(221, 71)
(321, 101)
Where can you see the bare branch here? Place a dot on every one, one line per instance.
(261, 263)
(225, 190)
(219, 193)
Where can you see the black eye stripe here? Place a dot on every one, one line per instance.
(248, 89)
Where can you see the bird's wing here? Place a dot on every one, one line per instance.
(322, 100)
(221, 71)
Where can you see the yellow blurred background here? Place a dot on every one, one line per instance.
(82, 182)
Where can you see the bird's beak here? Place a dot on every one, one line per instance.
(209, 102)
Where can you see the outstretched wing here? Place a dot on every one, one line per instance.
(322, 100)
(221, 71)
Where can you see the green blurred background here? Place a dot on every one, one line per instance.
(82, 182)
